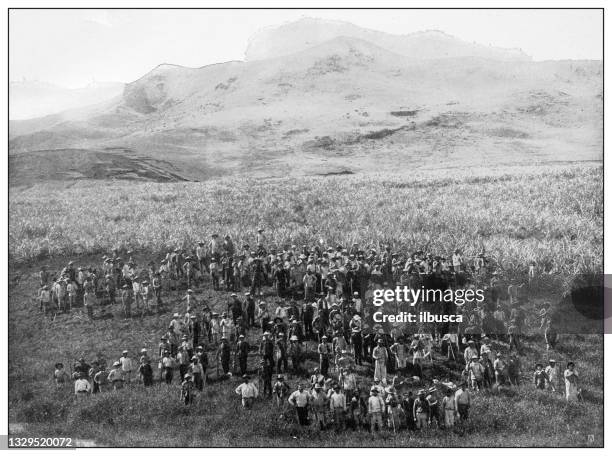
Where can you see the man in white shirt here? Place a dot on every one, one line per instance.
(248, 392)
(376, 406)
(82, 387)
(127, 366)
(299, 399)
(337, 404)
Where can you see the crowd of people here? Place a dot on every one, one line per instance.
(302, 304)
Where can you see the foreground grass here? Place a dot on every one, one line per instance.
(155, 417)
(552, 216)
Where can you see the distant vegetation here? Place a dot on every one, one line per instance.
(554, 217)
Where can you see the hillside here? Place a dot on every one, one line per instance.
(299, 35)
(344, 105)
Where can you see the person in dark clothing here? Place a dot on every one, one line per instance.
(250, 310)
(224, 355)
(235, 307)
(408, 406)
(242, 354)
(146, 373)
(195, 329)
(307, 317)
(203, 358)
(357, 342)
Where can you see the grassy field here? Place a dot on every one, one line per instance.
(552, 216)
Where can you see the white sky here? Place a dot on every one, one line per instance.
(72, 48)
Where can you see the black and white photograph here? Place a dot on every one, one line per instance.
(305, 228)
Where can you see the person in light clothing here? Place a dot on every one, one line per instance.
(248, 392)
(127, 366)
(450, 409)
(299, 399)
(571, 383)
(380, 357)
(552, 374)
(337, 404)
(376, 407)
(462, 402)
(115, 377)
(82, 387)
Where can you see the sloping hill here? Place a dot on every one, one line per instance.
(305, 113)
(299, 35)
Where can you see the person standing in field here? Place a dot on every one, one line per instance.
(60, 375)
(421, 410)
(247, 391)
(376, 407)
(82, 387)
(380, 357)
(115, 377)
(539, 377)
(146, 372)
(552, 374)
(463, 401)
(570, 375)
(337, 404)
(449, 409)
(242, 354)
(324, 354)
(299, 399)
(45, 299)
(126, 300)
(127, 366)
(167, 364)
(499, 366)
(187, 390)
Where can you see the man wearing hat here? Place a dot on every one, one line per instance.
(249, 305)
(224, 355)
(319, 401)
(115, 377)
(187, 390)
(167, 364)
(376, 407)
(127, 366)
(235, 307)
(299, 399)
(126, 300)
(337, 405)
(194, 329)
(294, 351)
(380, 357)
(45, 298)
(470, 351)
(82, 387)
(499, 366)
(247, 391)
(463, 401)
(197, 372)
(145, 371)
(421, 410)
(552, 375)
(242, 353)
(280, 390)
(324, 351)
(201, 256)
(475, 372)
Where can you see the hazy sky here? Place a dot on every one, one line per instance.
(74, 47)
